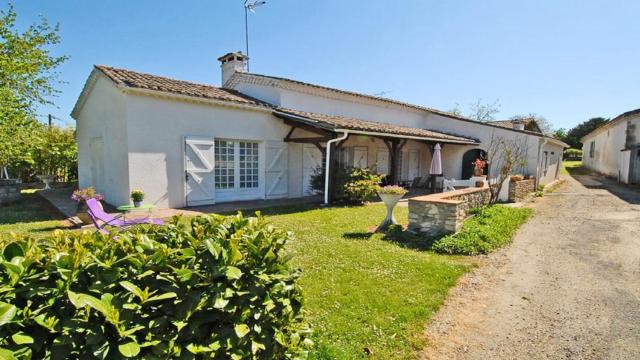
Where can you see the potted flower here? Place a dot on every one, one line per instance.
(81, 196)
(478, 167)
(137, 196)
(390, 195)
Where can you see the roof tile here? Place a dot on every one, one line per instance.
(152, 82)
(332, 122)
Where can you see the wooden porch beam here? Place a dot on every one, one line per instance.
(307, 140)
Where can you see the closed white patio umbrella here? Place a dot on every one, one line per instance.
(436, 161)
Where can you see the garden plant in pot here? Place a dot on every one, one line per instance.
(478, 167)
(137, 196)
(390, 195)
(81, 196)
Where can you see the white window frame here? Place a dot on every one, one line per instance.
(237, 193)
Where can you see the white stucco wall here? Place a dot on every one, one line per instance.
(156, 128)
(103, 116)
(609, 141)
(351, 106)
(554, 163)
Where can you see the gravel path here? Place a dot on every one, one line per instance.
(567, 288)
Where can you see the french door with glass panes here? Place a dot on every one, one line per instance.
(237, 170)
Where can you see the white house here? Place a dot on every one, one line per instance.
(613, 149)
(262, 137)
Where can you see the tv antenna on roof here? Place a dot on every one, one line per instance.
(249, 6)
(382, 93)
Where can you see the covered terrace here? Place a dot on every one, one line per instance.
(403, 153)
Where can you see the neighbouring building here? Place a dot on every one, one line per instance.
(613, 149)
(262, 137)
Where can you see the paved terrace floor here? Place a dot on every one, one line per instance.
(60, 198)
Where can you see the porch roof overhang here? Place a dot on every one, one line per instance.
(340, 124)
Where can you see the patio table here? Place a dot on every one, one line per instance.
(125, 209)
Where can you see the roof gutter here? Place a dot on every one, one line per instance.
(345, 134)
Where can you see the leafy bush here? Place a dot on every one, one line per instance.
(352, 185)
(362, 186)
(490, 228)
(572, 154)
(212, 287)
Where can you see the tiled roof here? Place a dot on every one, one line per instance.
(138, 80)
(332, 123)
(237, 76)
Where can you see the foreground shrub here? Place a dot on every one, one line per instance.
(352, 185)
(490, 228)
(213, 287)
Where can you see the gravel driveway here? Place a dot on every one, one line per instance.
(567, 288)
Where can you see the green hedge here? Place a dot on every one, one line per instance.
(211, 287)
(489, 228)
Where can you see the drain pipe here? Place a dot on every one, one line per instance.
(327, 164)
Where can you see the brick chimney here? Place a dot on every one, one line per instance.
(231, 63)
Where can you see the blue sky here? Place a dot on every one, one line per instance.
(565, 60)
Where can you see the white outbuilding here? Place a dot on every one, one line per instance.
(613, 149)
(263, 137)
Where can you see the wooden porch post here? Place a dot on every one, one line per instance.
(395, 146)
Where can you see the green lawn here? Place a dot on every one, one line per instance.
(363, 293)
(573, 168)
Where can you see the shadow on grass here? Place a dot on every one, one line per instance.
(357, 235)
(399, 236)
(404, 238)
(577, 170)
(30, 208)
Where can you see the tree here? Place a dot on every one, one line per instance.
(560, 134)
(478, 111)
(576, 133)
(27, 79)
(27, 68)
(484, 112)
(504, 156)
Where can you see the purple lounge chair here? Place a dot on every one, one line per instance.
(98, 215)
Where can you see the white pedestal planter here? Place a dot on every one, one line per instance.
(390, 201)
(46, 179)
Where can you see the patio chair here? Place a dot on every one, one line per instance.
(424, 182)
(98, 215)
(416, 182)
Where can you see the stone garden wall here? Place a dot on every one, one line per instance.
(519, 190)
(9, 191)
(444, 213)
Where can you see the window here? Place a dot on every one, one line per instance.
(248, 165)
(225, 164)
(592, 149)
(237, 165)
(545, 162)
